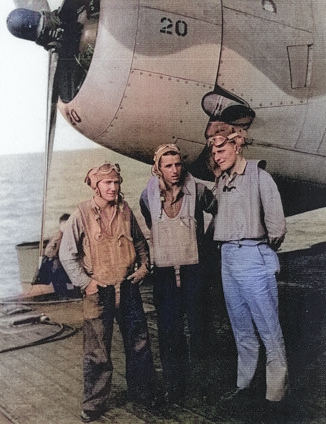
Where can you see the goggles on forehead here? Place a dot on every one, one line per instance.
(220, 140)
(95, 175)
(107, 167)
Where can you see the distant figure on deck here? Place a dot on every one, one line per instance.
(51, 270)
(105, 253)
(172, 205)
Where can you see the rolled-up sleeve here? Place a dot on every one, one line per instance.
(71, 253)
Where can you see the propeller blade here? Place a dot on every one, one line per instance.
(37, 5)
(52, 100)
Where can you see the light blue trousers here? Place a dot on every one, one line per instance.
(251, 296)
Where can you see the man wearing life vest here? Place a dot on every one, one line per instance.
(172, 205)
(105, 253)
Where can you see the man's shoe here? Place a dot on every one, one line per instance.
(239, 401)
(89, 416)
(238, 395)
(274, 412)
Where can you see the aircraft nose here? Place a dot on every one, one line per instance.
(23, 23)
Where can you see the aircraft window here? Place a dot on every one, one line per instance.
(299, 62)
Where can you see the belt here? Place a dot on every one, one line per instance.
(245, 242)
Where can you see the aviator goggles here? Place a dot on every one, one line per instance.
(95, 175)
(220, 140)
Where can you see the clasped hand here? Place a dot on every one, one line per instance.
(135, 277)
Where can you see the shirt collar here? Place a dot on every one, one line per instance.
(238, 168)
(99, 203)
(183, 189)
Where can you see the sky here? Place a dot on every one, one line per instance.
(23, 76)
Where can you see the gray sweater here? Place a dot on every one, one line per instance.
(249, 207)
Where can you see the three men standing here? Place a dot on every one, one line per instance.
(102, 243)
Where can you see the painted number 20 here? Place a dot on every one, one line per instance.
(180, 27)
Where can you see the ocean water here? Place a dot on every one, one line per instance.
(21, 190)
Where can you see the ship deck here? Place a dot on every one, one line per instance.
(41, 363)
